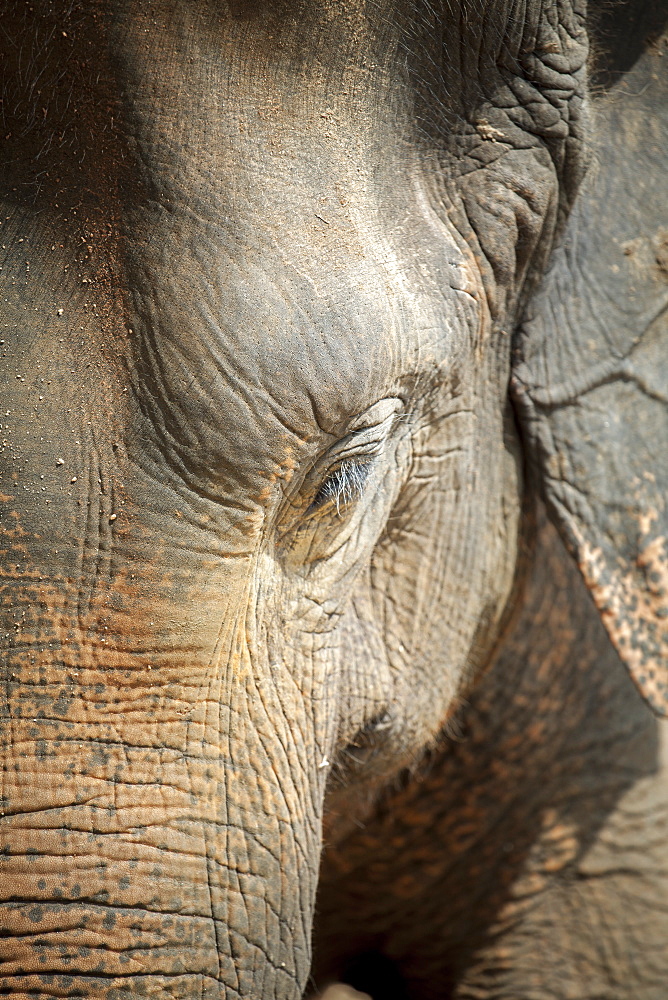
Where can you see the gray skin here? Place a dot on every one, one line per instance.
(310, 311)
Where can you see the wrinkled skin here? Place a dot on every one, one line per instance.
(284, 373)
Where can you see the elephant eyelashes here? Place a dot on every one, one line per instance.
(342, 486)
(356, 454)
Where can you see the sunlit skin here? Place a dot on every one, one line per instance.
(332, 530)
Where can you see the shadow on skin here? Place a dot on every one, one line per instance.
(453, 862)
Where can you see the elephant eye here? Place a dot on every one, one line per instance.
(342, 486)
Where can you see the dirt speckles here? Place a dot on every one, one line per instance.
(661, 252)
(648, 255)
(634, 609)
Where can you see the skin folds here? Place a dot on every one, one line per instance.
(282, 398)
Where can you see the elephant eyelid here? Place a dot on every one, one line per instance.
(354, 457)
(343, 485)
(361, 446)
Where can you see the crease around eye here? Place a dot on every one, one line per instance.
(343, 485)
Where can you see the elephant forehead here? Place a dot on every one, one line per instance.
(294, 292)
(259, 364)
(280, 248)
(302, 275)
(323, 337)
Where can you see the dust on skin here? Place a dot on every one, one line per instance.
(634, 606)
(60, 647)
(661, 252)
(55, 676)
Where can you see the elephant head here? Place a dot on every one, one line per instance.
(270, 268)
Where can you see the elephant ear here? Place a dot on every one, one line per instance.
(590, 383)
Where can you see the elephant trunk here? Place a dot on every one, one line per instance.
(160, 807)
(160, 835)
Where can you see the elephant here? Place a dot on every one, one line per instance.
(333, 528)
